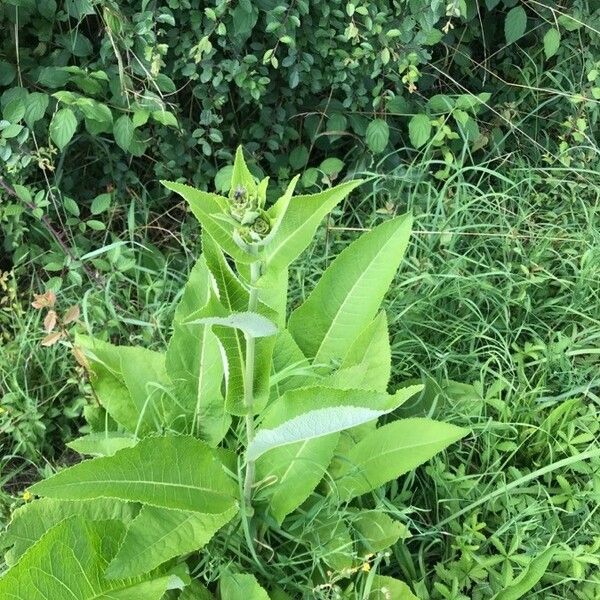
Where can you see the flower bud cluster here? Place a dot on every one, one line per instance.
(246, 208)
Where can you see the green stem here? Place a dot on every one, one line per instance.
(249, 386)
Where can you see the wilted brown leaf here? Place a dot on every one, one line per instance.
(71, 315)
(80, 357)
(46, 300)
(50, 321)
(52, 338)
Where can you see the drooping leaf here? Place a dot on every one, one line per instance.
(367, 364)
(384, 588)
(146, 379)
(376, 531)
(391, 451)
(234, 297)
(419, 130)
(177, 472)
(193, 361)
(237, 586)
(530, 576)
(299, 224)
(107, 380)
(62, 127)
(31, 521)
(515, 24)
(349, 294)
(69, 562)
(207, 208)
(315, 412)
(158, 534)
(294, 470)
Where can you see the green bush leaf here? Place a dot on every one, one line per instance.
(123, 132)
(62, 127)
(14, 110)
(176, 472)
(551, 42)
(349, 293)
(235, 586)
(69, 562)
(100, 204)
(378, 135)
(391, 451)
(419, 130)
(515, 24)
(35, 107)
(157, 535)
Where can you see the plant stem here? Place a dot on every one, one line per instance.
(249, 386)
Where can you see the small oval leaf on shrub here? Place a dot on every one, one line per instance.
(100, 204)
(515, 24)
(419, 130)
(332, 166)
(551, 42)
(123, 132)
(298, 157)
(378, 135)
(62, 127)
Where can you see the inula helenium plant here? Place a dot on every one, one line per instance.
(258, 434)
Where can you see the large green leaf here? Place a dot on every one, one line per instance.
(295, 471)
(391, 451)
(208, 208)
(315, 412)
(299, 224)
(241, 176)
(68, 562)
(146, 379)
(130, 382)
(350, 292)
(176, 472)
(237, 586)
(31, 521)
(158, 534)
(195, 366)
(107, 381)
